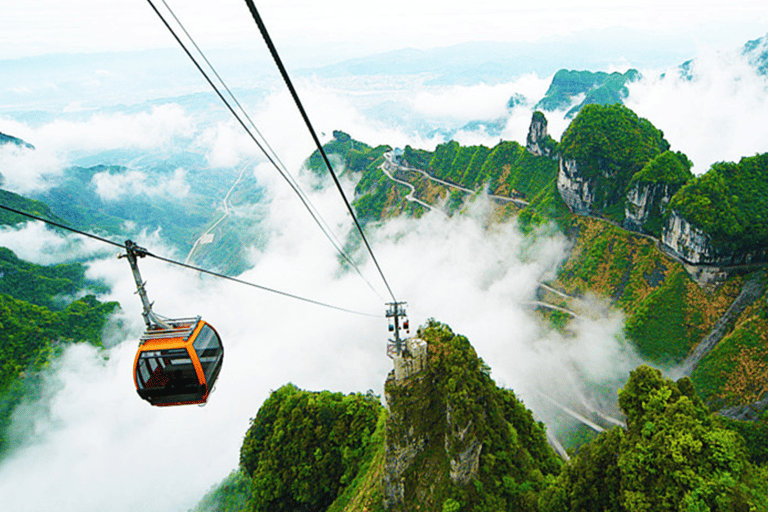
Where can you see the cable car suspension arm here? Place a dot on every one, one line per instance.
(132, 252)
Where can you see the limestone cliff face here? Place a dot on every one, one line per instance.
(687, 241)
(694, 246)
(577, 192)
(539, 142)
(644, 201)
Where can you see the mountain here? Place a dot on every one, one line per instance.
(446, 439)
(39, 317)
(671, 303)
(598, 88)
(451, 440)
(757, 53)
(9, 139)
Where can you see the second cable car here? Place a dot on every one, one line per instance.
(178, 360)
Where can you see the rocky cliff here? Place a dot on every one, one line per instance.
(643, 201)
(539, 142)
(695, 246)
(453, 438)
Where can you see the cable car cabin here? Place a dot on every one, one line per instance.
(179, 365)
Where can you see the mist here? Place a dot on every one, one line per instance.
(718, 115)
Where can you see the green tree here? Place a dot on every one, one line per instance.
(303, 448)
(673, 456)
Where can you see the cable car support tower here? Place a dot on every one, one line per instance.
(396, 310)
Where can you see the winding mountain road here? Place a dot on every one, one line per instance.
(392, 166)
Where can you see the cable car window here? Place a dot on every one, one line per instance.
(170, 369)
(209, 351)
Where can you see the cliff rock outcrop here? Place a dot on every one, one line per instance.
(695, 246)
(646, 202)
(451, 432)
(577, 191)
(539, 142)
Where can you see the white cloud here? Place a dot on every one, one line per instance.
(35, 242)
(111, 185)
(464, 103)
(25, 170)
(720, 115)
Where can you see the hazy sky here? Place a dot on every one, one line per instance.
(355, 28)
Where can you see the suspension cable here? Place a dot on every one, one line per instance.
(272, 155)
(184, 265)
(294, 94)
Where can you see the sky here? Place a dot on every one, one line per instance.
(318, 30)
(86, 435)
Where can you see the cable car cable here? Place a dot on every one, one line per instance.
(273, 158)
(184, 265)
(294, 94)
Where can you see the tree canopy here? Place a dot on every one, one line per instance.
(303, 448)
(611, 142)
(673, 456)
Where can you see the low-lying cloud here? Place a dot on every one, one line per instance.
(717, 115)
(113, 185)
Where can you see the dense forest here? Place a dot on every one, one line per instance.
(39, 315)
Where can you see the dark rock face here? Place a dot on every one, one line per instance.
(539, 142)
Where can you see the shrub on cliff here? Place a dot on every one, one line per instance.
(674, 455)
(729, 203)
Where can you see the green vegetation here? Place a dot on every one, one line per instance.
(31, 334)
(599, 88)
(47, 286)
(667, 313)
(729, 203)
(22, 204)
(610, 144)
(736, 371)
(304, 448)
(667, 168)
(231, 495)
(38, 316)
(674, 455)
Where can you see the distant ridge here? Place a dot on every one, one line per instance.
(8, 139)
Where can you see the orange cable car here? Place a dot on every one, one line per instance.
(178, 360)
